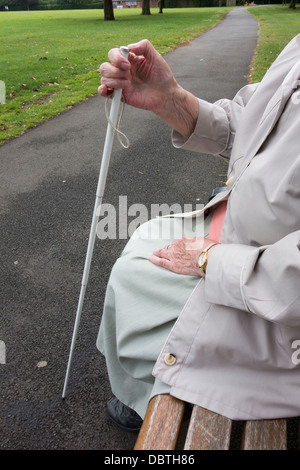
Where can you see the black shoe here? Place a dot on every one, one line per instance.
(123, 416)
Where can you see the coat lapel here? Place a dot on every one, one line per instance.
(276, 105)
(271, 114)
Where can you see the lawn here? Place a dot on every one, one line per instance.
(49, 59)
(278, 25)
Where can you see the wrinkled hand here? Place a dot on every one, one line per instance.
(148, 83)
(181, 256)
(145, 77)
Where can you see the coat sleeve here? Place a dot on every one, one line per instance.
(260, 280)
(216, 125)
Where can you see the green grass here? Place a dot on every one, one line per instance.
(278, 25)
(50, 59)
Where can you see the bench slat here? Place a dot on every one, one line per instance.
(161, 425)
(265, 435)
(208, 431)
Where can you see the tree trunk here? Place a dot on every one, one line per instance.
(161, 5)
(293, 4)
(146, 7)
(108, 10)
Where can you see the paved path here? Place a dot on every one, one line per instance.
(48, 181)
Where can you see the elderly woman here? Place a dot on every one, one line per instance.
(213, 319)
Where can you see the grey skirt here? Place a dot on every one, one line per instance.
(142, 303)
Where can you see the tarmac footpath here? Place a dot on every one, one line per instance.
(47, 184)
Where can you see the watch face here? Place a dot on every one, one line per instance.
(202, 259)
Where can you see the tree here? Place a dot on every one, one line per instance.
(26, 3)
(293, 4)
(146, 7)
(161, 5)
(108, 10)
(4, 3)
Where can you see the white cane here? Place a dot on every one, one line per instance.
(113, 118)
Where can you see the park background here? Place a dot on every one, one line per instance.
(49, 61)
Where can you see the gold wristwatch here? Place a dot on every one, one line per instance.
(202, 260)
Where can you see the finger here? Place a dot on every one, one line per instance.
(113, 77)
(162, 252)
(111, 71)
(118, 60)
(103, 90)
(115, 83)
(144, 48)
(162, 262)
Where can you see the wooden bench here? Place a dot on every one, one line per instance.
(163, 426)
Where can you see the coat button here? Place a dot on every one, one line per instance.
(170, 359)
